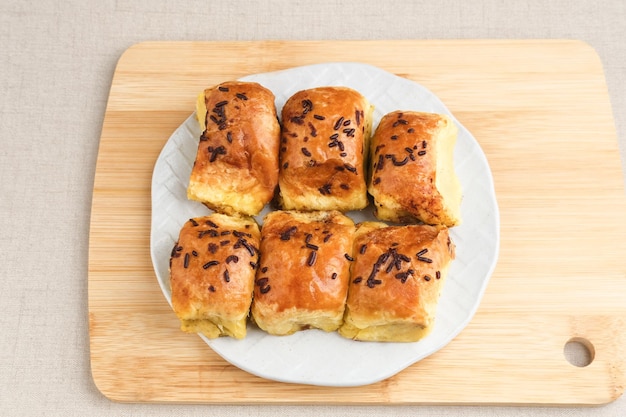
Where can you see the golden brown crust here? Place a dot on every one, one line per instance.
(303, 277)
(412, 171)
(324, 139)
(236, 166)
(396, 281)
(212, 268)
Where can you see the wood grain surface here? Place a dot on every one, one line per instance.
(540, 111)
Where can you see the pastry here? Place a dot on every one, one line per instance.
(324, 139)
(303, 277)
(236, 165)
(412, 171)
(396, 281)
(212, 269)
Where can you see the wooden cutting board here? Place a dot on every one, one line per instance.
(540, 111)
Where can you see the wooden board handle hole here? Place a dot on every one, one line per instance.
(579, 352)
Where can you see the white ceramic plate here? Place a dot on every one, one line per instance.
(312, 356)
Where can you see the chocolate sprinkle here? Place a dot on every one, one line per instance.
(226, 275)
(215, 152)
(287, 234)
(210, 264)
(325, 189)
(380, 163)
(210, 232)
(306, 152)
(311, 259)
(312, 246)
(307, 105)
(373, 283)
(213, 248)
(298, 119)
(420, 257)
(245, 244)
(232, 258)
(400, 163)
(241, 96)
(186, 264)
(403, 276)
(350, 168)
(318, 117)
(309, 245)
(225, 89)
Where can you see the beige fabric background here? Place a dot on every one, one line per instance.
(56, 64)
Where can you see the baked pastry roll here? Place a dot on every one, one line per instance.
(412, 172)
(396, 280)
(236, 165)
(303, 277)
(324, 139)
(212, 270)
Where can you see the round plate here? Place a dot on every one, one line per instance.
(312, 356)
